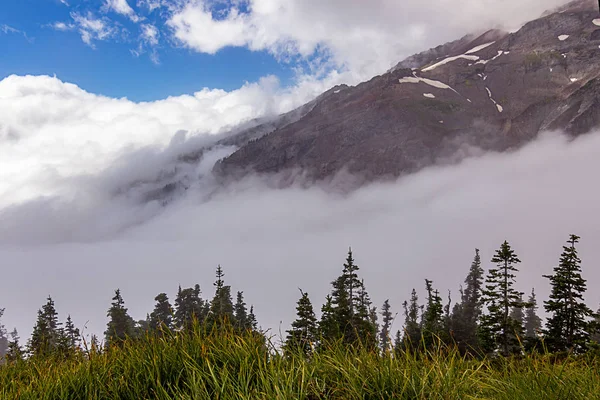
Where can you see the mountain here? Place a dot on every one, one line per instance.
(494, 91)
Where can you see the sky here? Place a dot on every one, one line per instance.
(98, 97)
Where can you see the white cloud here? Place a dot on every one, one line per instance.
(367, 37)
(7, 29)
(150, 34)
(123, 8)
(61, 26)
(272, 241)
(51, 130)
(92, 29)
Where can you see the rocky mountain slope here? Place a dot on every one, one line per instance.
(496, 91)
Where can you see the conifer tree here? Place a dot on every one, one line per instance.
(120, 325)
(533, 323)
(221, 306)
(516, 313)
(189, 306)
(463, 323)
(568, 325)
(3, 337)
(385, 340)
(433, 322)
(46, 332)
(240, 313)
(328, 326)
(69, 338)
(303, 334)
(14, 351)
(498, 329)
(252, 321)
(412, 326)
(161, 317)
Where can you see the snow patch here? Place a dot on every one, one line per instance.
(450, 59)
(337, 91)
(429, 95)
(498, 106)
(574, 79)
(469, 100)
(430, 82)
(441, 122)
(562, 38)
(480, 47)
(596, 22)
(500, 52)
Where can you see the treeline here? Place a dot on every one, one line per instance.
(490, 318)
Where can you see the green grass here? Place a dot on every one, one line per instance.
(233, 367)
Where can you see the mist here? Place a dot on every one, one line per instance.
(270, 242)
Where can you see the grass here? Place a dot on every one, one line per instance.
(227, 366)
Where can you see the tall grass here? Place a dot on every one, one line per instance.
(229, 366)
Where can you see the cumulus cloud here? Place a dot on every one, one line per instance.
(367, 37)
(272, 241)
(123, 8)
(61, 26)
(92, 28)
(51, 130)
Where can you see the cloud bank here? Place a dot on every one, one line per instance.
(272, 241)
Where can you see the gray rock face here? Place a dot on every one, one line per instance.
(495, 91)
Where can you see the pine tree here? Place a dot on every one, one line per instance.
(3, 337)
(385, 340)
(433, 316)
(252, 321)
(497, 328)
(69, 338)
(14, 352)
(516, 313)
(161, 318)
(463, 323)
(568, 324)
(221, 306)
(328, 326)
(240, 313)
(120, 325)
(46, 332)
(303, 334)
(189, 306)
(533, 323)
(412, 326)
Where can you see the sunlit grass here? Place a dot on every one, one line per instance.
(228, 366)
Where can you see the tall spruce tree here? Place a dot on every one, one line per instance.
(385, 340)
(328, 326)
(303, 334)
(120, 325)
(14, 351)
(568, 325)
(189, 306)
(240, 313)
(433, 317)
(221, 306)
(463, 324)
(3, 337)
(498, 330)
(161, 317)
(533, 323)
(412, 326)
(69, 338)
(46, 334)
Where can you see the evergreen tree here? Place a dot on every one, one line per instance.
(398, 342)
(328, 326)
(69, 338)
(463, 323)
(240, 313)
(3, 337)
(46, 332)
(303, 334)
(533, 323)
(14, 352)
(120, 325)
(433, 322)
(498, 330)
(568, 325)
(221, 306)
(412, 326)
(189, 306)
(385, 340)
(252, 321)
(161, 317)
(516, 313)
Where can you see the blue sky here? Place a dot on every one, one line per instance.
(30, 45)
